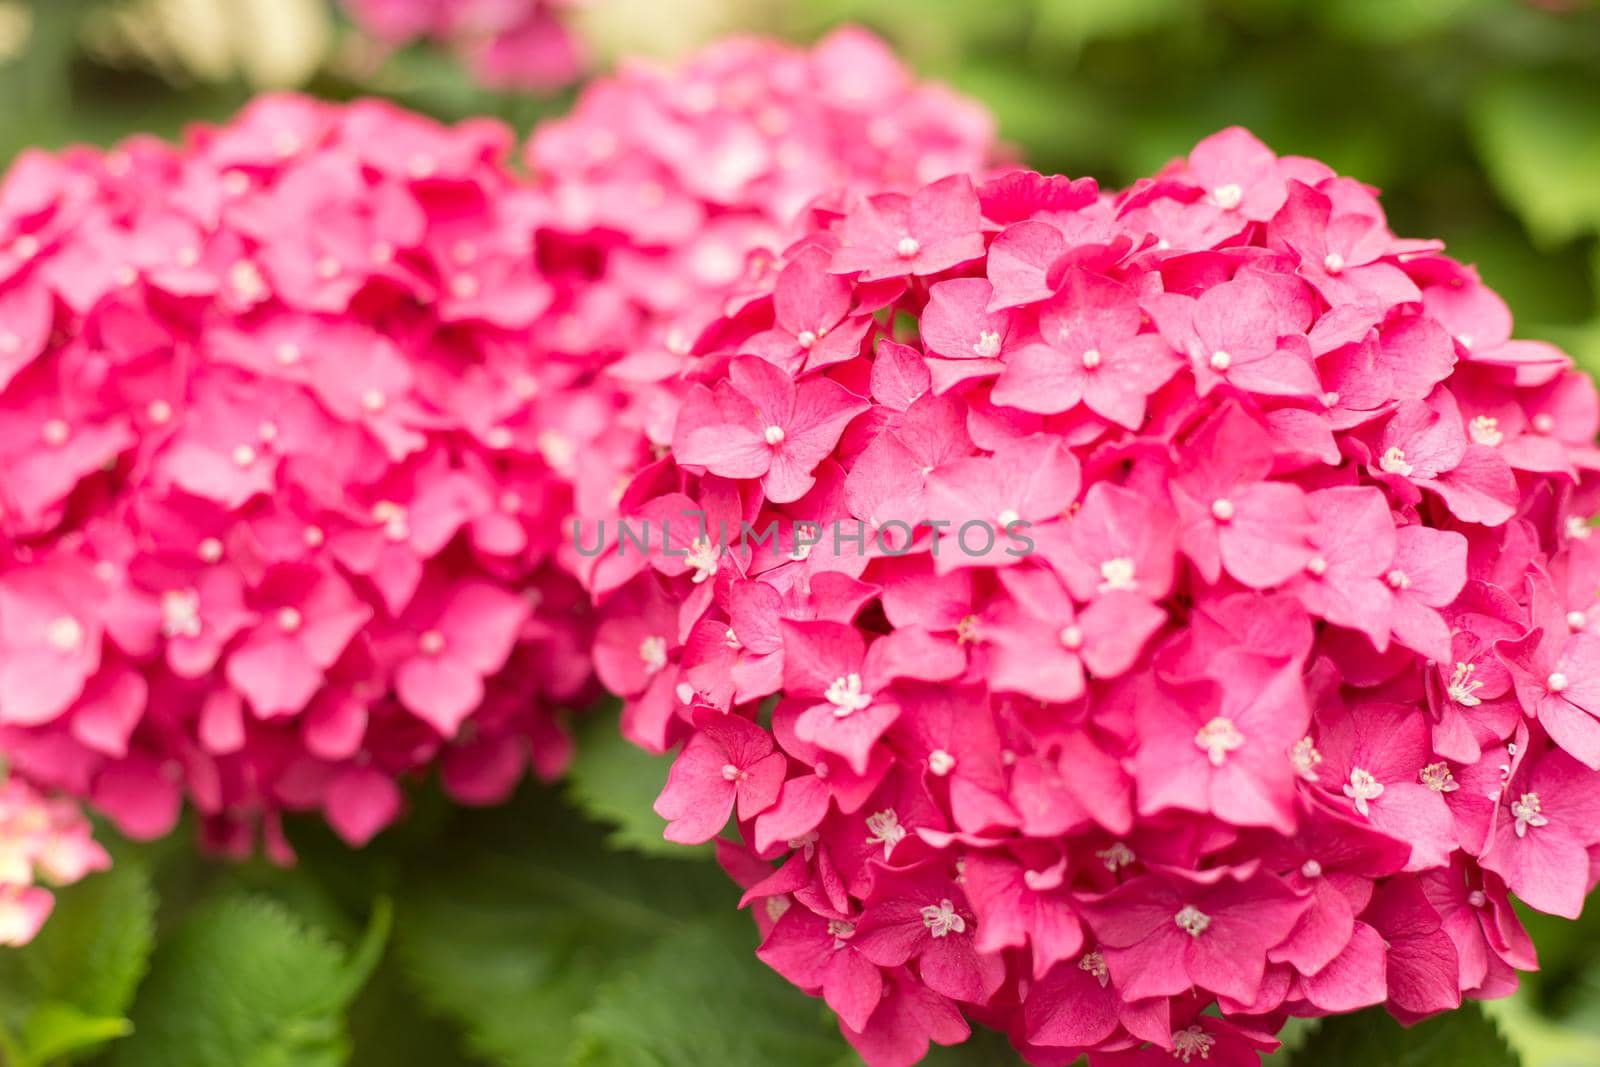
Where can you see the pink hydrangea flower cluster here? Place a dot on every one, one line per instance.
(674, 189)
(507, 44)
(295, 414)
(1125, 620)
(41, 839)
(279, 473)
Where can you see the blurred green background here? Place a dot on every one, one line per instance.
(1480, 120)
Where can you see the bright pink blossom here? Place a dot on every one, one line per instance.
(1282, 684)
(42, 840)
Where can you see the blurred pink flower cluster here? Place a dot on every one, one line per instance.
(507, 44)
(274, 512)
(1097, 609)
(676, 188)
(294, 416)
(40, 840)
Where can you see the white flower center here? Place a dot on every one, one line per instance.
(1191, 920)
(1095, 964)
(287, 354)
(1220, 361)
(1311, 869)
(1437, 777)
(805, 339)
(55, 432)
(1527, 811)
(243, 455)
(1227, 196)
(703, 557)
(1117, 574)
(846, 696)
(1557, 682)
(883, 828)
(64, 633)
(1361, 788)
(431, 642)
(1007, 517)
(1187, 1044)
(732, 773)
(941, 762)
(1393, 461)
(731, 639)
(1091, 359)
(653, 653)
(289, 619)
(1317, 566)
(180, 613)
(1222, 509)
(1463, 686)
(1485, 430)
(908, 247)
(1333, 263)
(1218, 738)
(1578, 527)
(988, 345)
(374, 400)
(1072, 637)
(840, 931)
(209, 550)
(774, 435)
(1117, 856)
(160, 412)
(1543, 422)
(941, 919)
(1305, 759)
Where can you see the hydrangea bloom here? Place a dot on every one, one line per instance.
(1163, 600)
(275, 516)
(672, 191)
(41, 840)
(508, 44)
(294, 417)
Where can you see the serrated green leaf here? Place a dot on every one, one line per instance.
(243, 983)
(1539, 138)
(1396, 21)
(56, 1031)
(617, 783)
(1464, 1036)
(68, 991)
(1074, 23)
(699, 996)
(514, 920)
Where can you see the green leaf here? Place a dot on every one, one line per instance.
(56, 1031)
(617, 783)
(1396, 21)
(1539, 138)
(1075, 23)
(1464, 1036)
(68, 991)
(245, 983)
(513, 920)
(700, 997)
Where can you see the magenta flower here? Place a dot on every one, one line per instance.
(1277, 694)
(729, 762)
(509, 44)
(763, 425)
